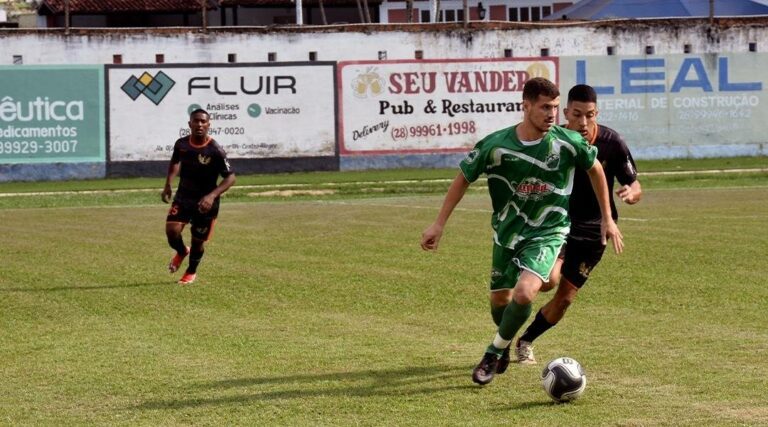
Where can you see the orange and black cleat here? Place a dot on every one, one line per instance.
(187, 278)
(176, 261)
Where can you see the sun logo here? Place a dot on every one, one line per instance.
(204, 160)
(537, 69)
(370, 81)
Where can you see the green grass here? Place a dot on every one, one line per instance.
(323, 310)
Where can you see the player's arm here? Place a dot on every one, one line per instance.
(608, 227)
(173, 171)
(431, 236)
(205, 204)
(630, 194)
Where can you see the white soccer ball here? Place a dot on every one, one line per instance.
(563, 379)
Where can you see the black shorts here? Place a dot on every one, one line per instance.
(188, 213)
(579, 258)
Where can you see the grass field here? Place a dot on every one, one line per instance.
(323, 310)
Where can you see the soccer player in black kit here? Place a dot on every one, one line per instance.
(198, 160)
(583, 249)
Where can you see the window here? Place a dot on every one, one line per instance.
(526, 14)
(450, 15)
(425, 16)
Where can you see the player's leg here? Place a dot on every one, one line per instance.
(503, 279)
(554, 276)
(530, 266)
(202, 231)
(580, 258)
(174, 224)
(196, 252)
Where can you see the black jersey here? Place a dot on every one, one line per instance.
(201, 167)
(613, 154)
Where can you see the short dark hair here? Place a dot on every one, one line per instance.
(582, 93)
(538, 86)
(199, 110)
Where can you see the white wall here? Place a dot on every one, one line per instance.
(188, 45)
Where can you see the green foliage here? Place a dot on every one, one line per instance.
(323, 310)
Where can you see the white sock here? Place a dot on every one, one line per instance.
(500, 342)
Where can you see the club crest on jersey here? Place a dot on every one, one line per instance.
(533, 188)
(471, 156)
(552, 160)
(204, 160)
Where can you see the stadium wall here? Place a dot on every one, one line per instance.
(674, 88)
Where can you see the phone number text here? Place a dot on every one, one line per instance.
(38, 147)
(433, 129)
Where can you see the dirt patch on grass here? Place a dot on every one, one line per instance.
(291, 193)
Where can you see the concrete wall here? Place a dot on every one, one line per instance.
(360, 42)
(567, 41)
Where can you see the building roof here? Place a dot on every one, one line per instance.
(292, 3)
(606, 9)
(56, 7)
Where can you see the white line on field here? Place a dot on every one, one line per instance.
(345, 184)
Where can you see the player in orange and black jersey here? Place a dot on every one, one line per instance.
(199, 162)
(583, 249)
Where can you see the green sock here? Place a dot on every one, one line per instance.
(497, 312)
(492, 349)
(515, 316)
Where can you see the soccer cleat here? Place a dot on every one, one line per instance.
(484, 371)
(524, 353)
(503, 363)
(187, 278)
(176, 261)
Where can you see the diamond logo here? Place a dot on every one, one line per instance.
(153, 87)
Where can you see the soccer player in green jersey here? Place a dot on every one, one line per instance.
(530, 169)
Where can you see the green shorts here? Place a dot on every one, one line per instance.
(535, 255)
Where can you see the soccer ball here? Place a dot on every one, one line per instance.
(563, 379)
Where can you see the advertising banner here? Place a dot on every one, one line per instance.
(431, 106)
(694, 101)
(257, 110)
(51, 114)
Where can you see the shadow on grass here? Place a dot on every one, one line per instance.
(532, 405)
(88, 288)
(387, 382)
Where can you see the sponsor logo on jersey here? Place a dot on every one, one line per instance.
(584, 270)
(533, 188)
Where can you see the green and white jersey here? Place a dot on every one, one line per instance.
(529, 182)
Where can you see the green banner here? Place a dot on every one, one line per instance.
(51, 114)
